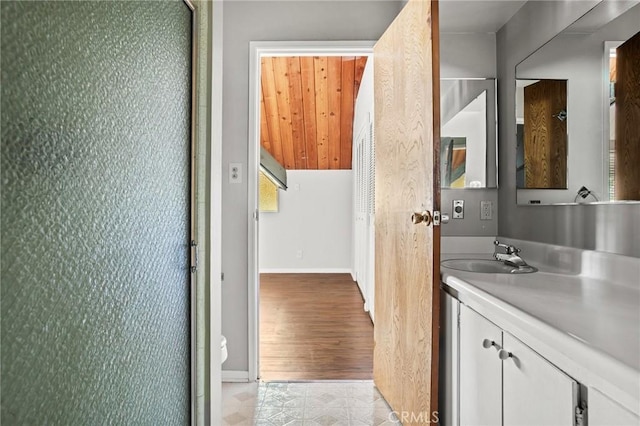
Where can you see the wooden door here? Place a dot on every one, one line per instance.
(535, 393)
(627, 174)
(407, 256)
(545, 134)
(480, 370)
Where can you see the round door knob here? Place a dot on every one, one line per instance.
(502, 354)
(486, 343)
(425, 217)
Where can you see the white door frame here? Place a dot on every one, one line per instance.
(256, 51)
(214, 325)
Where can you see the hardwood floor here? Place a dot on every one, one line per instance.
(313, 327)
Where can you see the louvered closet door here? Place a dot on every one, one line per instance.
(95, 121)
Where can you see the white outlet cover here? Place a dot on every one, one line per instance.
(486, 210)
(235, 172)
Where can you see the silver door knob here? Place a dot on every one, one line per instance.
(486, 343)
(502, 354)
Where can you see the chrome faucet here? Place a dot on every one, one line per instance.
(511, 257)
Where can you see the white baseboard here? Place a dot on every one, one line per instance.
(306, 271)
(353, 275)
(235, 376)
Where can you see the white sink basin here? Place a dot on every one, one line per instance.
(486, 266)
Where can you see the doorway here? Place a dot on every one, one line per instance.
(325, 55)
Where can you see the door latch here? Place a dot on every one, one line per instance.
(436, 218)
(194, 256)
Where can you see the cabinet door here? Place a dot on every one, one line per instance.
(448, 377)
(605, 412)
(535, 392)
(480, 371)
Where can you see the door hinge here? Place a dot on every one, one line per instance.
(194, 256)
(436, 218)
(581, 412)
(256, 215)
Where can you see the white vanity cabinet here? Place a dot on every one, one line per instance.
(504, 382)
(605, 412)
(480, 370)
(535, 392)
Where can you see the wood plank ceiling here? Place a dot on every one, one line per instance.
(306, 110)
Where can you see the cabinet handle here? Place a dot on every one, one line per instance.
(502, 354)
(486, 343)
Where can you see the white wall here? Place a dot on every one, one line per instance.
(314, 219)
(246, 21)
(471, 55)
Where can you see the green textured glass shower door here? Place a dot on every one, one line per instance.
(95, 167)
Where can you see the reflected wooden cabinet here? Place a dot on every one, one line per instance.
(627, 91)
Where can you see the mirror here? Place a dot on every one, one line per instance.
(468, 133)
(589, 150)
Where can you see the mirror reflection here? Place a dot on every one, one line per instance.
(468, 133)
(541, 114)
(602, 116)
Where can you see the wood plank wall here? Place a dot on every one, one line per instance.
(306, 110)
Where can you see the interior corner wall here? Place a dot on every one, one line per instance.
(311, 231)
(605, 227)
(469, 55)
(246, 21)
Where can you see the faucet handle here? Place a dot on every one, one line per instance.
(509, 249)
(499, 244)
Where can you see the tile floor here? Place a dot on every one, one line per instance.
(326, 403)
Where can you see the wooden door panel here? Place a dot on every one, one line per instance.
(407, 128)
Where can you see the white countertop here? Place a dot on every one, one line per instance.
(588, 327)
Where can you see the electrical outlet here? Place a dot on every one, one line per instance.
(458, 209)
(299, 254)
(235, 172)
(486, 210)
